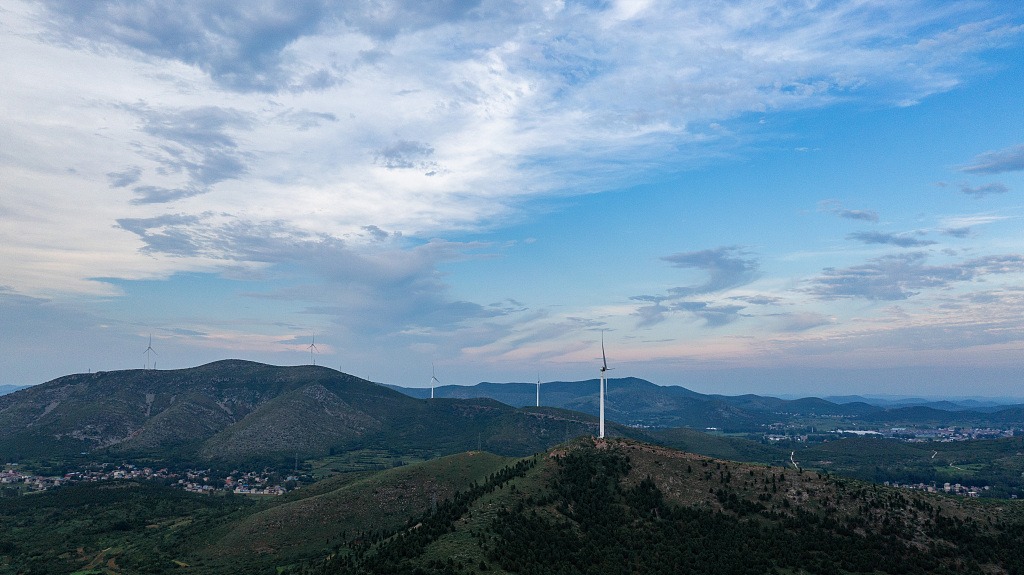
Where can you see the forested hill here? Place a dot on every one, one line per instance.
(252, 413)
(625, 507)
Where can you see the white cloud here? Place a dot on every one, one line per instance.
(972, 220)
(252, 132)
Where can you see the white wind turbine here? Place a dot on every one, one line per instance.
(312, 348)
(433, 380)
(604, 368)
(150, 349)
(538, 390)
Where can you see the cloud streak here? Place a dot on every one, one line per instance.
(194, 143)
(726, 267)
(1006, 160)
(241, 46)
(380, 291)
(900, 277)
(901, 240)
(985, 190)
(836, 208)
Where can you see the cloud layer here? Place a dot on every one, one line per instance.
(340, 159)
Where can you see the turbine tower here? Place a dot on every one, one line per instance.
(149, 350)
(604, 368)
(312, 348)
(433, 380)
(538, 390)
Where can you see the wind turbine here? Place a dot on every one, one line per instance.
(538, 390)
(433, 380)
(312, 348)
(148, 350)
(604, 368)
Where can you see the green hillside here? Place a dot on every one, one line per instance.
(588, 506)
(998, 463)
(625, 507)
(378, 502)
(245, 413)
(719, 446)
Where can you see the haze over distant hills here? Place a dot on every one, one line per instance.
(638, 402)
(5, 389)
(982, 404)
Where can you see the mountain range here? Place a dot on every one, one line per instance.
(641, 403)
(237, 410)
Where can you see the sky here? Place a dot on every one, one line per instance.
(810, 197)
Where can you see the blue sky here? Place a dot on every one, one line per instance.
(771, 196)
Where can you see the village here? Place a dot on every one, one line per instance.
(911, 434)
(14, 480)
(951, 488)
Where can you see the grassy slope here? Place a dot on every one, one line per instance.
(719, 446)
(346, 505)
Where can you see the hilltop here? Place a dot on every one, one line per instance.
(620, 506)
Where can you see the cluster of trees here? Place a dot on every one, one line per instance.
(600, 526)
(147, 526)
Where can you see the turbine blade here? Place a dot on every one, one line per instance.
(604, 360)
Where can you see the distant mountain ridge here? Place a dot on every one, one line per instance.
(981, 405)
(635, 401)
(5, 389)
(236, 410)
(638, 402)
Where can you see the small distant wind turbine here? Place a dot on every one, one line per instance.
(433, 380)
(312, 348)
(538, 390)
(604, 368)
(149, 350)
